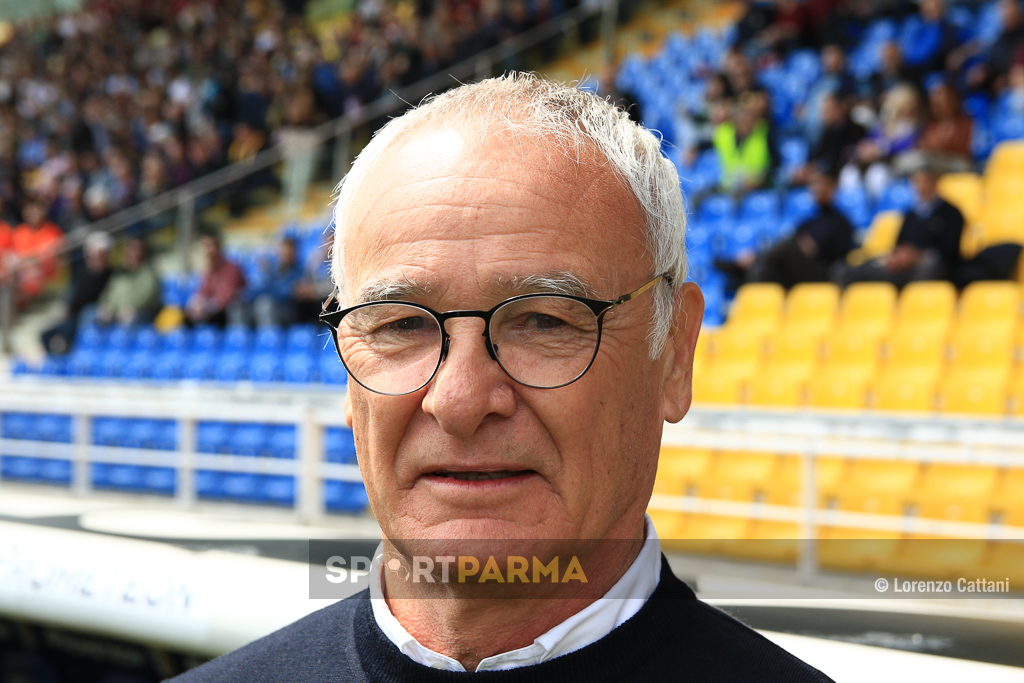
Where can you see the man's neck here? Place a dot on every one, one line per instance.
(470, 629)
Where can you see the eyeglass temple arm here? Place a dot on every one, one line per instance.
(643, 288)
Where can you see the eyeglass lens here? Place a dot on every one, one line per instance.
(543, 341)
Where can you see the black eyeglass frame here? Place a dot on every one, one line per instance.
(598, 307)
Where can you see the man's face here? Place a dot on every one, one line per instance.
(461, 221)
(925, 184)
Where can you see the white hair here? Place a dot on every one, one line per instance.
(526, 106)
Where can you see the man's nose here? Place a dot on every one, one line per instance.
(469, 386)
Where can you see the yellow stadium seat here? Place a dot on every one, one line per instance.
(777, 387)
(838, 388)
(926, 307)
(811, 308)
(702, 354)
(964, 191)
(934, 557)
(905, 391)
(706, 533)
(739, 475)
(1001, 220)
(1016, 391)
(1003, 188)
(880, 238)
(667, 523)
(1007, 498)
(719, 388)
(1006, 561)
(849, 348)
(915, 350)
(868, 308)
(1006, 159)
(973, 391)
(982, 348)
(955, 492)
(785, 486)
(855, 549)
(793, 347)
(680, 467)
(768, 540)
(878, 486)
(757, 308)
(995, 303)
(737, 351)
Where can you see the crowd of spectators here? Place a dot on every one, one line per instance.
(864, 128)
(125, 99)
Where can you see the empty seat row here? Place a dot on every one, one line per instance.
(946, 491)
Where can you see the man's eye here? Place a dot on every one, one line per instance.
(410, 324)
(541, 321)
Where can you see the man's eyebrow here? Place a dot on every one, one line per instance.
(391, 289)
(557, 282)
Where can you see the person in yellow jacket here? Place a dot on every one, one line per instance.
(744, 148)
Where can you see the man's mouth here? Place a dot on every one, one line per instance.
(479, 476)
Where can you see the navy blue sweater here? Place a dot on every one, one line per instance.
(673, 637)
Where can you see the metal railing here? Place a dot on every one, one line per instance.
(809, 434)
(339, 131)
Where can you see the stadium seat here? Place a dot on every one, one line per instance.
(277, 489)
(269, 340)
(1016, 391)
(301, 338)
(868, 308)
(249, 438)
(972, 390)
(332, 370)
(910, 390)
(708, 533)
(964, 191)
(1007, 159)
(989, 305)
(339, 445)
(738, 475)
(982, 349)
(213, 437)
(785, 488)
(757, 309)
(837, 389)
(344, 496)
(238, 339)
(899, 197)
(179, 339)
(926, 308)
(811, 308)
(282, 440)
(266, 367)
(955, 492)
(667, 523)
(232, 367)
(878, 486)
(737, 353)
(679, 469)
(855, 549)
(208, 339)
(852, 352)
(200, 366)
(299, 368)
(713, 388)
(109, 431)
(779, 387)
(880, 238)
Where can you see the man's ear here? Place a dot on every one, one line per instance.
(677, 390)
(348, 409)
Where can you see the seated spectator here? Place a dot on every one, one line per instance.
(835, 80)
(744, 146)
(929, 38)
(85, 290)
(928, 245)
(35, 242)
(898, 130)
(807, 254)
(316, 285)
(947, 135)
(695, 128)
(275, 302)
(891, 73)
(1004, 53)
(222, 285)
(133, 294)
(839, 137)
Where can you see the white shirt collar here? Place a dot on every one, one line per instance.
(587, 626)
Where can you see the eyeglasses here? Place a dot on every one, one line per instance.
(544, 341)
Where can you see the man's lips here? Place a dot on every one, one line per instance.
(478, 475)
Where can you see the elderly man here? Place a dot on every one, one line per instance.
(513, 314)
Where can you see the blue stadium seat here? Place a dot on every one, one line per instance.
(854, 204)
(300, 368)
(759, 206)
(344, 496)
(179, 339)
(269, 340)
(794, 153)
(200, 366)
(250, 438)
(1008, 128)
(83, 363)
(90, 337)
(339, 445)
(232, 367)
(19, 426)
(41, 470)
(301, 338)
(266, 367)
(281, 441)
(798, 206)
(213, 437)
(898, 196)
(111, 364)
(55, 428)
(717, 210)
(207, 339)
(332, 370)
(54, 366)
(121, 338)
(209, 484)
(168, 366)
(743, 237)
(110, 431)
(147, 339)
(243, 486)
(55, 471)
(139, 365)
(238, 339)
(277, 489)
(161, 480)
